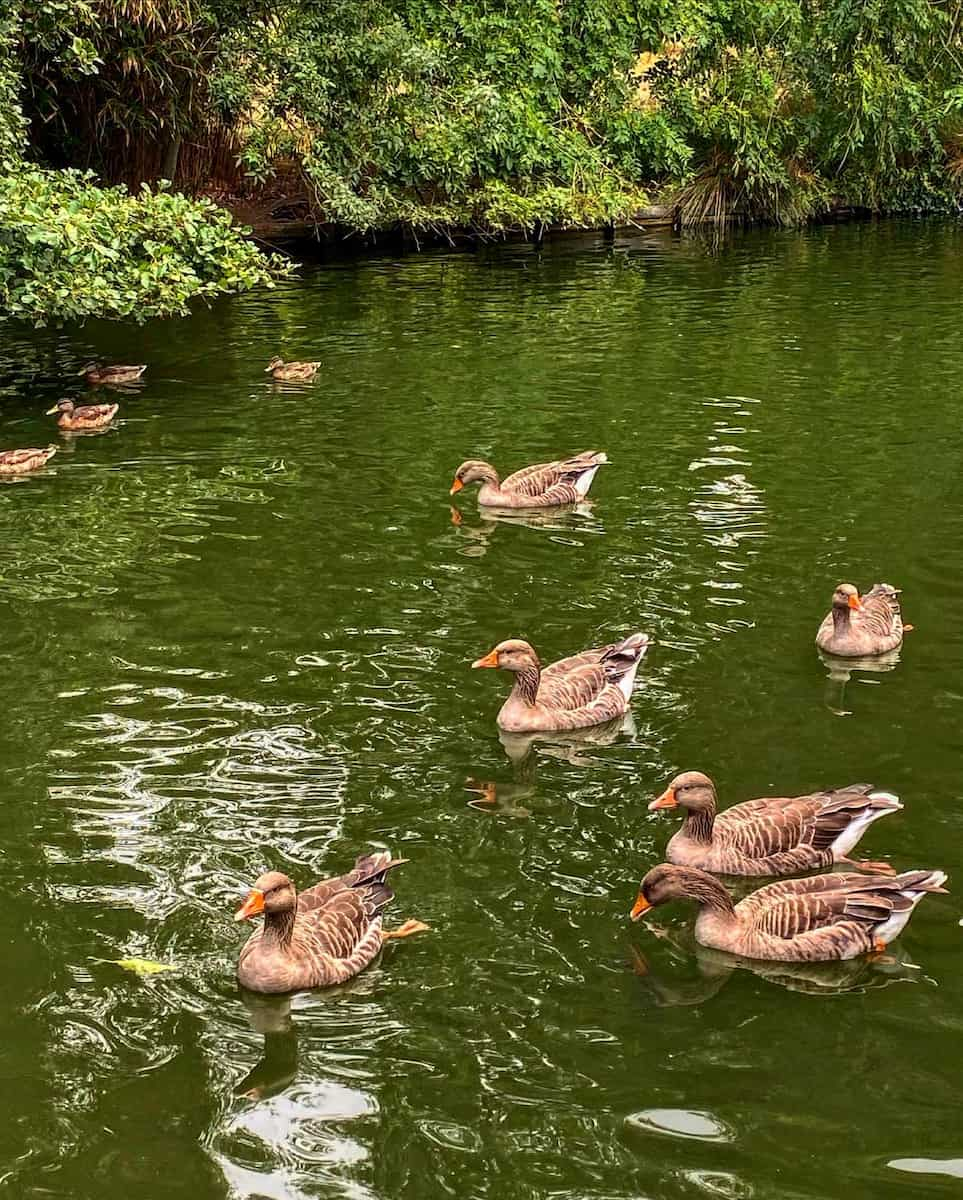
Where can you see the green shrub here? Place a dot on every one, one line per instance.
(70, 250)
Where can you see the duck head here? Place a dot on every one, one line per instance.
(847, 596)
(473, 471)
(272, 894)
(665, 883)
(275, 362)
(691, 790)
(513, 655)
(62, 406)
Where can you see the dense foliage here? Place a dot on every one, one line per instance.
(492, 114)
(71, 249)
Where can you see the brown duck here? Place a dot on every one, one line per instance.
(817, 919)
(585, 689)
(773, 835)
(541, 486)
(279, 369)
(859, 626)
(86, 417)
(20, 462)
(326, 935)
(95, 373)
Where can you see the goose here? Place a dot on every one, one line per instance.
(573, 693)
(773, 835)
(543, 485)
(860, 626)
(87, 416)
(324, 936)
(816, 919)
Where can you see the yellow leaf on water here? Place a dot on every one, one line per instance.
(141, 966)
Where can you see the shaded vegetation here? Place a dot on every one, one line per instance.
(498, 114)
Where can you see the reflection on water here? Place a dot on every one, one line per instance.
(840, 671)
(572, 519)
(236, 635)
(714, 967)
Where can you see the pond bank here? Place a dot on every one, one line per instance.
(303, 236)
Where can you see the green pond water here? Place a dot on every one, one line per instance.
(235, 633)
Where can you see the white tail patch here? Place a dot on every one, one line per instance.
(861, 822)
(890, 796)
(627, 682)
(584, 481)
(894, 925)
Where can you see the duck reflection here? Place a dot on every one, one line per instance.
(715, 967)
(573, 746)
(277, 1067)
(564, 518)
(273, 1018)
(839, 671)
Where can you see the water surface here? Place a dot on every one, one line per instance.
(236, 632)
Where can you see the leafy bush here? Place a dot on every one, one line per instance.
(70, 249)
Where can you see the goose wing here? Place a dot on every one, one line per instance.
(770, 825)
(556, 479)
(797, 906)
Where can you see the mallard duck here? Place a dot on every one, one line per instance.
(858, 626)
(19, 462)
(541, 486)
(87, 416)
(326, 935)
(292, 370)
(585, 689)
(816, 919)
(774, 835)
(95, 373)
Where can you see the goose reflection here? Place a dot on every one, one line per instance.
(813, 978)
(570, 745)
(573, 746)
(277, 1067)
(565, 518)
(839, 671)
(272, 1017)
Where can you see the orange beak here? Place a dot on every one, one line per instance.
(640, 907)
(253, 905)
(456, 487)
(666, 800)
(490, 660)
(855, 602)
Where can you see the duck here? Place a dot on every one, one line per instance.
(20, 462)
(862, 626)
(820, 918)
(95, 373)
(292, 370)
(773, 835)
(324, 936)
(86, 417)
(543, 485)
(585, 689)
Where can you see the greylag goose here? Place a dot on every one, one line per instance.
(544, 485)
(95, 373)
(86, 417)
(279, 369)
(19, 462)
(326, 935)
(817, 919)
(773, 835)
(584, 689)
(859, 626)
